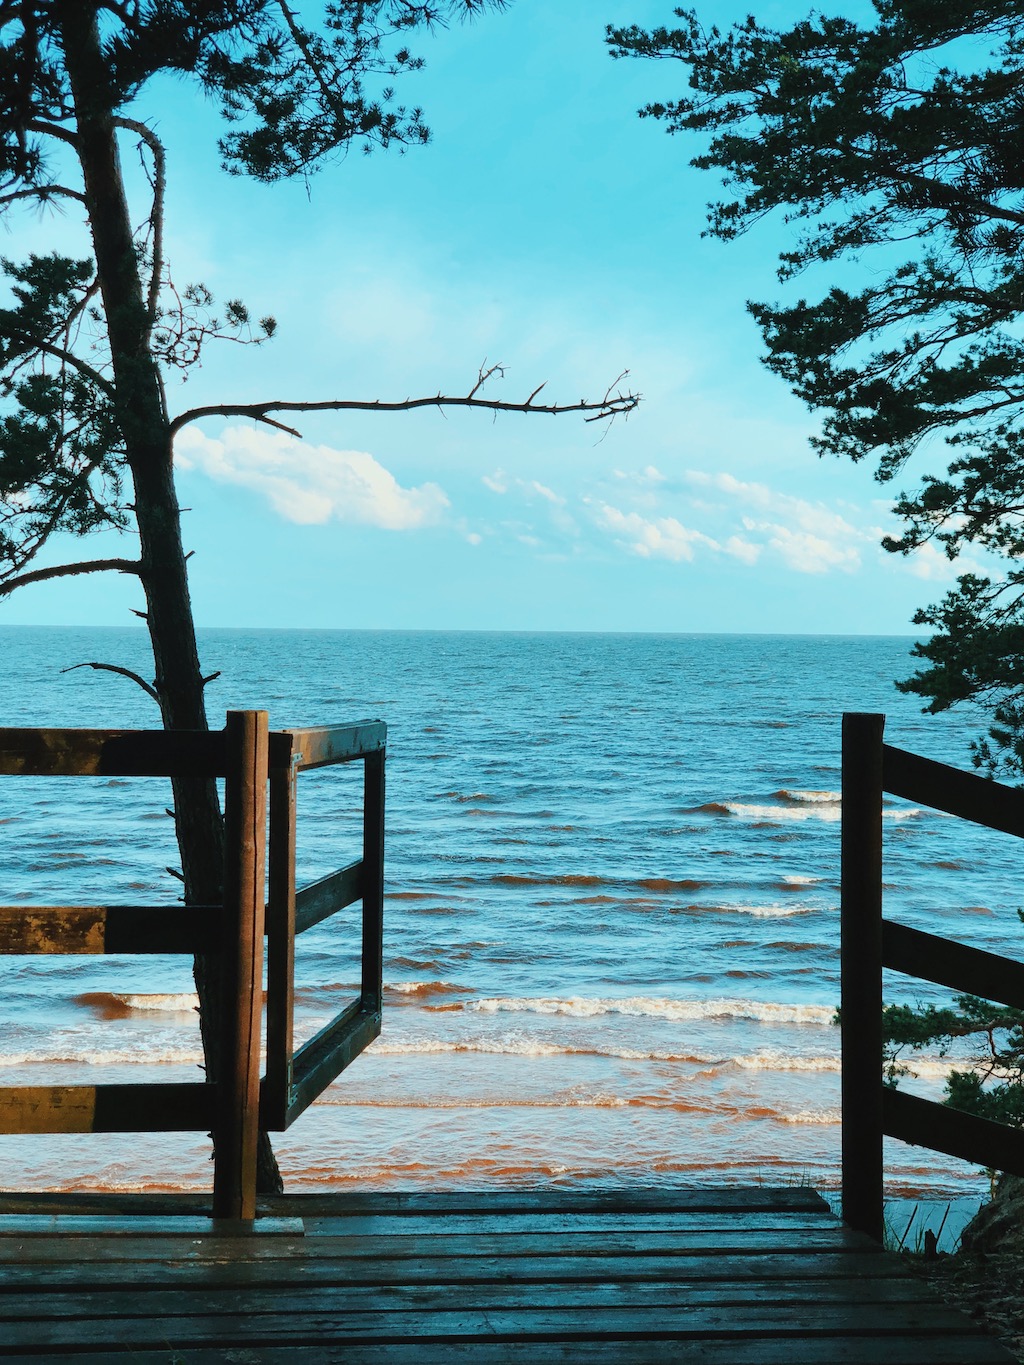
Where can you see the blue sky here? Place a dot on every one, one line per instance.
(549, 229)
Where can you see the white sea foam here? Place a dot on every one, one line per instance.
(588, 1007)
(786, 1061)
(766, 911)
(76, 1051)
(934, 1068)
(511, 1047)
(822, 1116)
(520, 1045)
(826, 810)
(344, 1098)
(180, 1002)
(751, 811)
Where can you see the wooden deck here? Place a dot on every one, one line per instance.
(744, 1276)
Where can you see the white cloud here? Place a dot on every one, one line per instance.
(650, 474)
(545, 492)
(311, 485)
(661, 538)
(499, 482)
(809, 537)
(807, 553)
(742, 549)
(932, 564)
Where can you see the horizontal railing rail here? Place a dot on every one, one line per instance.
(114, 753)
(96, 929)
(871, 943)
(251, 761)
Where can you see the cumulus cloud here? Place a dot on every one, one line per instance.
(311, 485)
(650, 474)
(809, 537)
(934, 566)
(500, 482)
(808, 553)
(548, 493)
(744, 550)
(664, 537)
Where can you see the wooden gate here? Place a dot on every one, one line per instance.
(250, 760)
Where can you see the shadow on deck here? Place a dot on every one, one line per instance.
(742, 1276)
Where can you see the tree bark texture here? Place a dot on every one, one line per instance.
(146, 429)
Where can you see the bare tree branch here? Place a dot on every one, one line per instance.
(280, 426)
(611, 405)
(156, 216)
(8, 585)
(486, 371)
(124, 672)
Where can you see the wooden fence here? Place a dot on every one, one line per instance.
(870, 943)
(250, 760)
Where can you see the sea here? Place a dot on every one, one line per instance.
(612, 905)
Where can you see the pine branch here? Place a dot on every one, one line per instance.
(612, 404)
(301, 40)
(68, 358)
(53, 130)
(124, 673)
(43, 193)
(8, 585)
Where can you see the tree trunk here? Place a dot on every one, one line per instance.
(144, 424)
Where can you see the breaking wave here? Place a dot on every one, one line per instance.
(793, 806)
(115, 1004)
(653, 1007)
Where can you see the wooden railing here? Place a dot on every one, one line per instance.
(250, 760)
(870, 943)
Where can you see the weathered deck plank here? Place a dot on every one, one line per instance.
(229, 1272)
(908, 1350)
(716, 1276)
(220, 1300)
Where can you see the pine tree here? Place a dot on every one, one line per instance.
(893, 149)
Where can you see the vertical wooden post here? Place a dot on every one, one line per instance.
(373, 881)
(861, 957)
(238, 1085)
(280, 944)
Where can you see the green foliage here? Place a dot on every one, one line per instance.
(905, 136)
(292, 95)
(994, 1086)
(60, 443)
